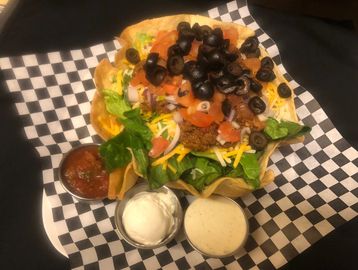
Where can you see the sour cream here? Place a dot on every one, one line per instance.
(216, 226)
(148, 217)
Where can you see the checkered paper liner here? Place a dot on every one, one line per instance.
(314, 192)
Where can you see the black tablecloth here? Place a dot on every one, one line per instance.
(321, 55)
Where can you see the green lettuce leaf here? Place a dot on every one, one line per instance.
(251, 169)
(135, 136)
(157, 176)
(115, 103)
(205, 171)
(205, 155)
(284, 129)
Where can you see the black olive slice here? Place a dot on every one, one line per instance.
(243, 86)
(187, 33)
(205, 30)
(174, 50)
(226, 107)
(183, 25)
(132, 56)
(188, 67)
(219, 33)
(152, 60)
(212, 40)
(175, 65)
(233, 69)
(198, 33)
(284, 91)
(257, 105)
(216, 60)
(197, 74)
(156, 75)
(250, 45)
(255, 86)
(203, 90)
(185, 45)
(225, 85)
(258, 140)
(254, 54)
(265, 75)
(267, 62)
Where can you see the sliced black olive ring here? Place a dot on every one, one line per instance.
(152, 60)
(267, 62)
(284, 91)
(250, 45)
(132, 56)
(175, 64)
(265, 75)
(203, 90)
(257, 105)
(156, 75)
(258, 140)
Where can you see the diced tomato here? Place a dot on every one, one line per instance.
(194, 50)
(215, 107)
(139, 78)
(197, 118)
(184, 95)
(231, 33)
(171, 84)
(228, 133)
(159, 144)
(164, 40)
(253, 64)
(156, 90)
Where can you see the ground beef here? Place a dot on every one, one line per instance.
(196, 138)
(160, 107)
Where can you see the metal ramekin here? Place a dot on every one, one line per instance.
(65, 184)
(178, 215)
(229, 254)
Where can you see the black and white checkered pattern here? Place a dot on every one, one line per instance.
(314, 192)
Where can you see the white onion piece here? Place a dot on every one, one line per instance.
(177, 117)
(244, 131)
(203, 106)
(174, 141)
(220, 140)
(171, 107)
(251, 151)
(235, 124)
(219, 156)
(132, 94)
(171, 99)
(231, 115)
(262, 117)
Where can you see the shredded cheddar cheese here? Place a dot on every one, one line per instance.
(110, 125)
(240, 151)
(180, 150)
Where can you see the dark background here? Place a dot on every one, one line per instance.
(321, 54)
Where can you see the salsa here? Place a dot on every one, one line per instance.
(84, 173)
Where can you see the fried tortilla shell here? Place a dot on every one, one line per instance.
(231, 187)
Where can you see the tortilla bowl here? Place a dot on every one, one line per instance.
(123, 179)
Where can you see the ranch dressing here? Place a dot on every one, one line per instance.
(216, 226)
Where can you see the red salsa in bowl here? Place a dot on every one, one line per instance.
(82, 173)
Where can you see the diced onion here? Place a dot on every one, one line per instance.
(231, 115)
(235, 124)
(174, 141)
(132, 94)
(219, 156)
(262, 117)
(171, 107)
(244, 131)
(171, 99)
(177, 117)
(203, 106)
(220, 140)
